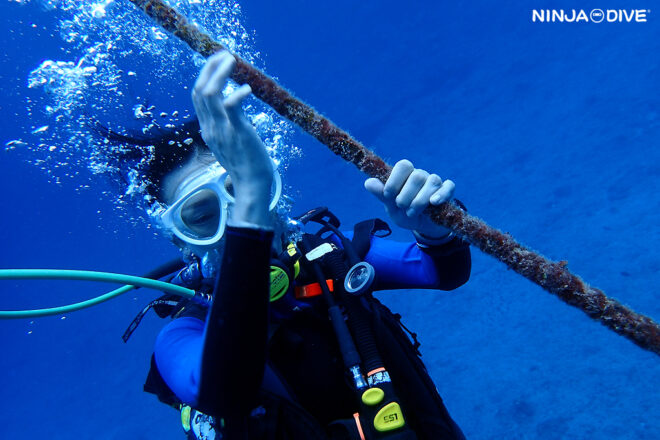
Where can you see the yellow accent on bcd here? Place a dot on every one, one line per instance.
(185, 417)
(279, 283)
(292, 250)
(373, 396)
(389, 417)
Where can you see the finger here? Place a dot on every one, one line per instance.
(207, 71)
(212, 92)
(421, 201)
(233, 104)
(201, 108)
(200, 103)
(375, 187)
(411, 188)
(218, 79)
(444, 194)
(397, 179)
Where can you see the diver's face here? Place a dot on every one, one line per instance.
(200, 211)
(177, 181)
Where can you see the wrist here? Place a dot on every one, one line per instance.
(251, 207)
(253, 173)
(426, 240)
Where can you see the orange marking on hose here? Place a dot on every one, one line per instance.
(377, 370)
(356, 416)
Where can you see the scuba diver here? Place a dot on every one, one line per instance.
(291, 343)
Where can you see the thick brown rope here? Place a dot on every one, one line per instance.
(552, 276)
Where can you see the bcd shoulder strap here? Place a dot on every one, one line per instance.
(427, 412)
(400, 349)
(363, 231)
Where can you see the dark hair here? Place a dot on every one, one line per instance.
(165, 152)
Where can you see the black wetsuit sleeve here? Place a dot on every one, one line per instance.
(235, 337)
(452, 262)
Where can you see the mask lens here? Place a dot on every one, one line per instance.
(201, 214)
(229, 187)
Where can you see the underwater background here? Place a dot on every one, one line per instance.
(551, 132)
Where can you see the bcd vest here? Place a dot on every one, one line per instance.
(303, 356)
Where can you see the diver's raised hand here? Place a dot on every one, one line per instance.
(233, 140)
(407, 192)
(225, 129)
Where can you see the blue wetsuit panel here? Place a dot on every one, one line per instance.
(407, 266)
(178, 354)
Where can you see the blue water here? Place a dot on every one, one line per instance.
(550, 131)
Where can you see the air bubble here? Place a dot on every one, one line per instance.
(105, 42)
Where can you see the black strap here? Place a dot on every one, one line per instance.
(162, 301)
(156, 385)
(363, 231)
(165, 269)
(412, 334)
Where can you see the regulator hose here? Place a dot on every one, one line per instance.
(131, 282)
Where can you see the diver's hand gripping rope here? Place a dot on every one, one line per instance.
(552, 276)
(132, 282)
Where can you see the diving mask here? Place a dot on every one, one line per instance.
(199, 216)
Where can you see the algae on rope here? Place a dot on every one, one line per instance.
(552, 276)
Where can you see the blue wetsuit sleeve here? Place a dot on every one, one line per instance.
(178, 355)
(218, 366)
(408, 266)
